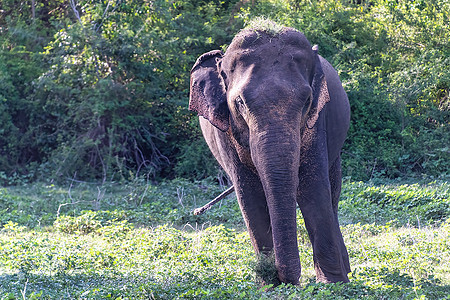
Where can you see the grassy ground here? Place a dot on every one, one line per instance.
(138, 241)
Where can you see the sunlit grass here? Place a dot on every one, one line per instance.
(128, 253)
(265, 25)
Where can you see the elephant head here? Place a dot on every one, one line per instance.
(266, 93)
(258, 62)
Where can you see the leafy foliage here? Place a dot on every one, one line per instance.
(110, 98)
(392, 57)
(406, 204)
(84, 208)
(99, 89)
(87, 249)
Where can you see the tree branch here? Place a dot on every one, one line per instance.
(74, 8)
(201, 210)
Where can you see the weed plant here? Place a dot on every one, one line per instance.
(141, 241)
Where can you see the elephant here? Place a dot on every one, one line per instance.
(275, 116)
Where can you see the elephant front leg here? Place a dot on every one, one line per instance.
(315, 201)
(253, 205)
(324, 233)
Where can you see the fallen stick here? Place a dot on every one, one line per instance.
(200, 210)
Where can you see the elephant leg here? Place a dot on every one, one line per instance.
(315, 201)
(248, 188)
(252, 202)
(336, 184)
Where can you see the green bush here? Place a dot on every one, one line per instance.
(84, 224)
(110, 99)
(196, 161)
(103, 95)
(392, 57)
(92, 222)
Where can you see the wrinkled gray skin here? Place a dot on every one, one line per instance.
(275, 116)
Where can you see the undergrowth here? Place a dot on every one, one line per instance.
(141, 241)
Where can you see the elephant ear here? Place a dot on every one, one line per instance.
(207, 96)
(320, 95)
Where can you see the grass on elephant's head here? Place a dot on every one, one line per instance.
(266, 25)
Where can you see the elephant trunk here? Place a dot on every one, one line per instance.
(277, 163)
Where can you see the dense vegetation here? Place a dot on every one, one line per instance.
(140, 241)
(96, 138)
(99, 89)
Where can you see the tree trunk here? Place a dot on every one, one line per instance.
(33, 9)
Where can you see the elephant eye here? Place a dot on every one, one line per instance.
(240, 105)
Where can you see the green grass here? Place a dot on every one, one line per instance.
(265, 25)
(138, 241)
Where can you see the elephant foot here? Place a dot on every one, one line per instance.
(324, 276)
(334, 279)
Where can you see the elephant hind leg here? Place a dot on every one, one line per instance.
(336, 184)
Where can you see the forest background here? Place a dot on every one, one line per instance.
(102, 164)
(98, 90)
